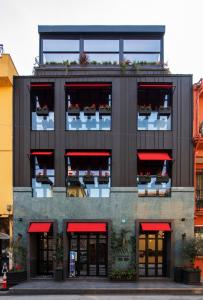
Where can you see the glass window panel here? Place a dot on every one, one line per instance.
(151, 272)
(60, 45)
(60, 57)
(142, 45)
(101, 45)
(83, 244)
(148, 58)
(103, 57)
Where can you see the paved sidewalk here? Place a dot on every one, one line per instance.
(104, 287)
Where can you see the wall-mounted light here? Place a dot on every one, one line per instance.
(183, 235)
(183, 219)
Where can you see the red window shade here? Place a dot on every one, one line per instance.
(39, 227)
(163, 86)
(156, 226)
(41, 85)
(86, 227)
(87, 154)
(154, 156)
(88, 85)
(42, 153)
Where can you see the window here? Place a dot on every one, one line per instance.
(142, 50)
(88, 106)
(199, 189)
(154, 173)
(59, 51)
(88, 174)
(154, 106)
(42, 106)
(42, 173)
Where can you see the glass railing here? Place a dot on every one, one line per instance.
(82, 185)
(153, 185)
(84, 122)
(45, 122)
(154, 121)
(42, 185)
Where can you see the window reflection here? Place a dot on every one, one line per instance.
(154, 122)
(101, 58)
(60, 45)
(142, 45)
(142, 57)
(60, 57)
(101, 45)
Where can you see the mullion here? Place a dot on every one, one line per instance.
(156, 254)
(97, 252)
(141, 52)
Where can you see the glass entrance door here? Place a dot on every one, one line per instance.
(152, 254)
(45, 254)
(90, 253)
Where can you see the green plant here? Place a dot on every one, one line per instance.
(192, 248)
(129, 274)
(124, 65)
(19, 254)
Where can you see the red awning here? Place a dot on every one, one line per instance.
(156, 226)
(39, 227)
(41, 85)
(69, 153)
(162, 86)
(154, 156)
(88, 85)
(86, 227)
(42, 153)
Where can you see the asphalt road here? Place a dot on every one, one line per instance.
(93, 297)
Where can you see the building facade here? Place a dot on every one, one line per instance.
(198, 160)
(103, 153)
(7, 71)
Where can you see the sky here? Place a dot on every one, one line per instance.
(19, 20)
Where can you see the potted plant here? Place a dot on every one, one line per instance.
(42, 111)
(18, 272)
(192, 248)
(145, 110)
(104, 110)
(123, 275)
(43, 178)
(103, 179)
(143, 179)
(84, 59)
(164, 111)
(90, 110)
(88, 178)
(58, 258)
(74, 110)
(162, 179)
(73, 178)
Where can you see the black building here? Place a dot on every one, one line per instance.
(103, 152)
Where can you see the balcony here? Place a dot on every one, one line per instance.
(88, 106)
(153, 120)
(153, 186)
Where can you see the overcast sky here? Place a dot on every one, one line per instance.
(183, 20)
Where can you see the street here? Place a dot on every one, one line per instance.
(95, 297)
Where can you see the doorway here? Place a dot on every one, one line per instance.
(45, 253)
(90, 252)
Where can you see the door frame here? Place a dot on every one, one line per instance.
(170, 258)
(66, 244)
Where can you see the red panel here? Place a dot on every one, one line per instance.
(95, 85)
(41, 85)
(153, 156)
(163, 86)
(87, 154)
(86, 227)
(156, 226)
(39, 227)
(42, 153)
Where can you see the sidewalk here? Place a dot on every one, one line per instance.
(89, 286)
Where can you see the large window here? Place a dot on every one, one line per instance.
(88, 106)
(154, 106)
(42, 167)
(88, 174)
(42, 106)
(154, 173)
(59, 51)
(142, 50)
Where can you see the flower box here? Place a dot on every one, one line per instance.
(16, 277)
(74, 111)
(105, 111)
(145, 111)
(164, 111)
(44, 179)
(162, 179)
(89, 111)
(191, 276)
(89, 179)
(142, 179)
(42, 111)
(103, 179)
